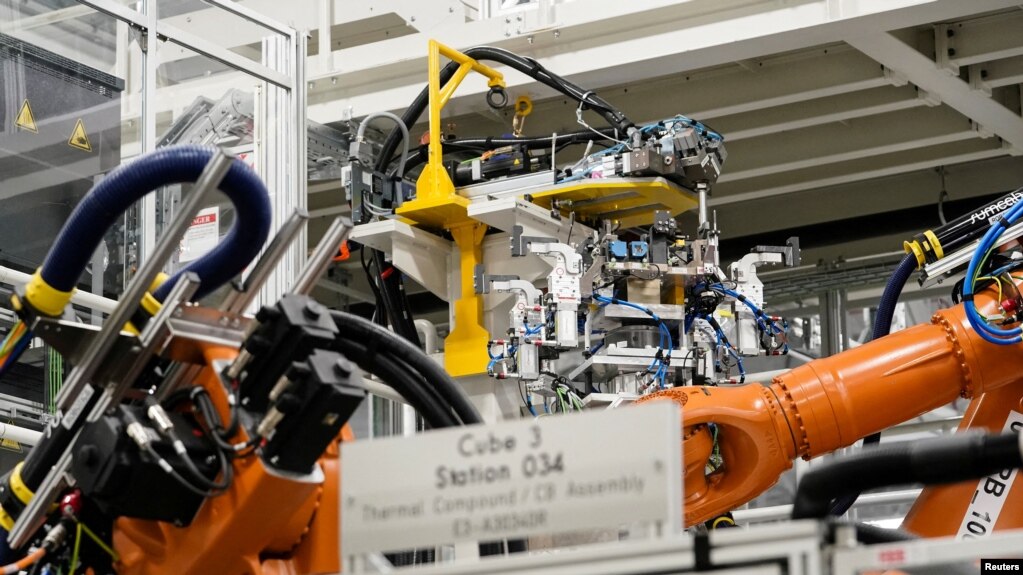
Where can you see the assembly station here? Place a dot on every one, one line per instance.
(464, 287)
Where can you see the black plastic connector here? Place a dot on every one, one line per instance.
(113, 472)
(288, 332)
(309, 408)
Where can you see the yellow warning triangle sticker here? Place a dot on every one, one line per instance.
(79, 139)
(26, 120)
(10, 444)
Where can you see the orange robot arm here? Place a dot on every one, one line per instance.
(830, 403)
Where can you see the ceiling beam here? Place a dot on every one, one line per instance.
(984, 39)
(864, 198)
(924, 72)
(857, 176)
(1000, 73)
(865, 152)
(596, 44)
(835, 143)
(842, 108)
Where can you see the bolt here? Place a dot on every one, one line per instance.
(530, 39)
(413, 19)
(557, 33)
(950, 33)
(313, 309)
(951, 52)
(343, 367)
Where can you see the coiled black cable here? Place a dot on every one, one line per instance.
(400, 377)
(383, 341)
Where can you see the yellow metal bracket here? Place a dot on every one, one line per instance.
(465, 346)
(437, 206)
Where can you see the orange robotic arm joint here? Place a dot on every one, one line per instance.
(828, 404)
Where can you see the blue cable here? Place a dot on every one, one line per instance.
(757, 312)
(496, 358)
(983, 328)
(731, 351)
(666, 341)
(698, 126)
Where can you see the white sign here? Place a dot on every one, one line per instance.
(202, 235)
(513, 479)
(992, 491)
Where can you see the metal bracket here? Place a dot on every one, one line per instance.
(520, 243)
(944, 49)
(481, 281)
(790, 251)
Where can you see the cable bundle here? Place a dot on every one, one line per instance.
(981, 324)
(404, 367)
(665, 345)
(13, 346)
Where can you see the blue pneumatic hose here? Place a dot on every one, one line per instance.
(127, 184)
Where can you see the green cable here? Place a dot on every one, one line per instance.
(113, 554)
(74, 553)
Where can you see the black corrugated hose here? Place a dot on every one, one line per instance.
(931, 462)
(528, 66)
(419, 379)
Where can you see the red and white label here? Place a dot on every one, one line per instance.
(204, 219)
(201, 236)
(891, 556)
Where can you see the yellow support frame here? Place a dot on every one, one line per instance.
(437, 206)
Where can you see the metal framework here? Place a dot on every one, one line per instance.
(281, 149)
